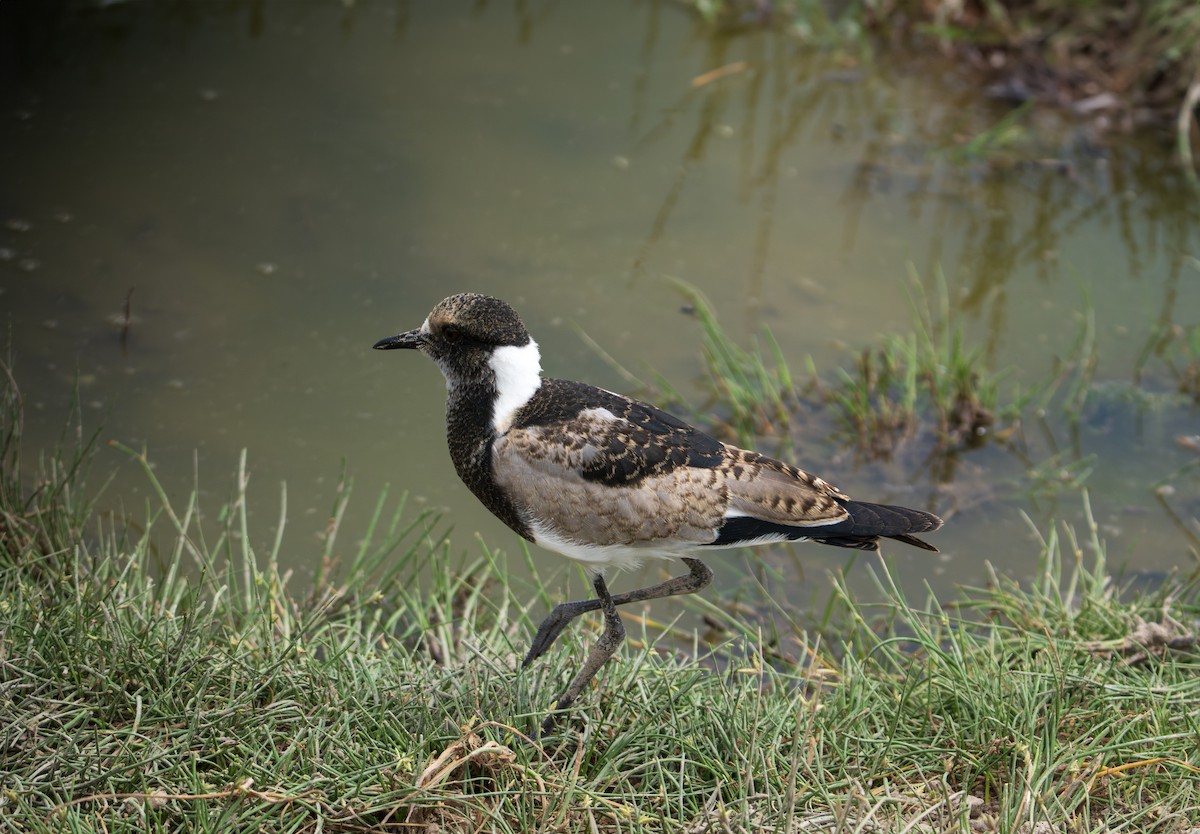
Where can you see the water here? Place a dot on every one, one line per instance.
(275, 185)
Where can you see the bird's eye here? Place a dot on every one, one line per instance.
(452, 334)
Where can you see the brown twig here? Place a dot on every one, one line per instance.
(126, 321)
(712, 75)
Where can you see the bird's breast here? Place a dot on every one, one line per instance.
(679, 508)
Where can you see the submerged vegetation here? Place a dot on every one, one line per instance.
(156, 674)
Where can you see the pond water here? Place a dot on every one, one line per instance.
(272, 185)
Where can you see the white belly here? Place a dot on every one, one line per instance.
(602, 557)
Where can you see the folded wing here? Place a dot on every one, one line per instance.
(772, 501)
(613, 470)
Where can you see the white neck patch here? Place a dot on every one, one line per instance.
(518, 376)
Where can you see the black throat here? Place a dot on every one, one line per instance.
(470, 435)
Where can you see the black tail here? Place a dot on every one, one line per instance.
(868, 523)
(862, 530)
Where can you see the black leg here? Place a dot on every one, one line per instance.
(614, 630)
(559, 618)
(610, 638)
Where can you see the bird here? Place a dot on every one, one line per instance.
(610, 481)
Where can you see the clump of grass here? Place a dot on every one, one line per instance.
(43, 517)
(1033, 695)
(928, 376)
(877, 401)
(199, 689)
(1182, 355)
(894, 389)
(755, 384)
(928, 383)
(1006, 135)
(1072, 379)
(1059, 474)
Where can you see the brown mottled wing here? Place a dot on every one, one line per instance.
(776, 501)
(610, 439)
(602, 469)
(770, 490)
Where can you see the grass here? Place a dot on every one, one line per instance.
(1175, 349)
(928, 380)
(35, 517)
(931, 386)
(160, 674)
(1007, 133)
(928, 373)
(1181, 354)
(754, 387)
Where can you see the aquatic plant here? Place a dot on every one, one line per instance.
(926, 379)
(1182, 356)
(926, 376)
(752, 388)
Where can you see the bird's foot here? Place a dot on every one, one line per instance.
(547, 633)
(557, 620)
(545, 728)
(551, 720)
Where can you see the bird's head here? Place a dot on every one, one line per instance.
(465, 335)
